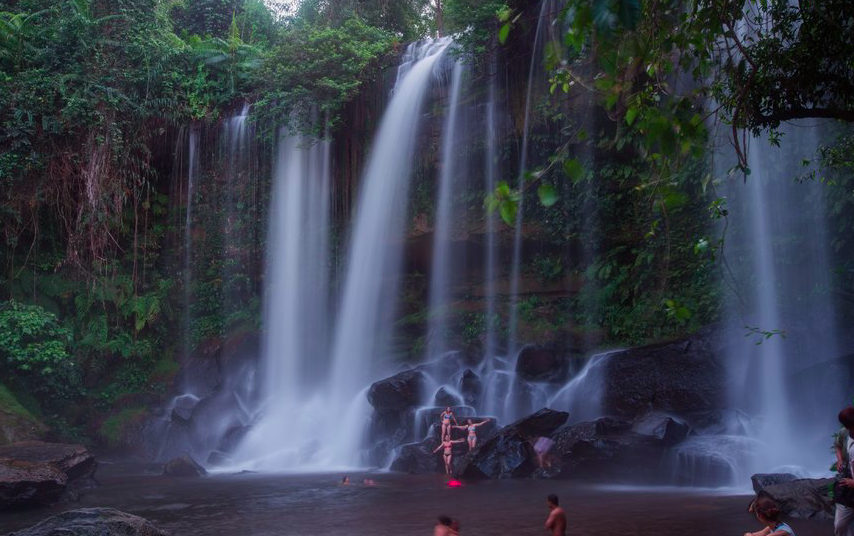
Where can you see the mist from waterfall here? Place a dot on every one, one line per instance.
(295, 312)
(783, 334)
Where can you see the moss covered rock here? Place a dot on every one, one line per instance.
(16, 423)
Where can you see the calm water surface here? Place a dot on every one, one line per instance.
(263, 504)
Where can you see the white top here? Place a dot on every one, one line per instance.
(851, 454)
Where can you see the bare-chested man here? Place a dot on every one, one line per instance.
(448, 445)
(556, 522)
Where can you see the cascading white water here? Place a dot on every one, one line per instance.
(297, 279)
(309, 421)
(192, 179)
(543, 20)
(237, 155)
(779, 253)
(449, 179)
(491, 245)
(370, 290)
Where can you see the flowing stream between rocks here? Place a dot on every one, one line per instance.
(398, 504)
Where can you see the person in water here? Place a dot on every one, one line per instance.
(472, 431)
(447, 455)
(843, 520)
(447, 416)
(767, 512)
(556, 522)
(345, 480)
(443, 527)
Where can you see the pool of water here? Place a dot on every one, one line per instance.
(317, 504)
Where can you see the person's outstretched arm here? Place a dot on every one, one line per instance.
(438, 448)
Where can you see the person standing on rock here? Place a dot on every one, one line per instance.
(472, 431)
(843, 522)
(556, 522)
(448, 445)
(447, 416)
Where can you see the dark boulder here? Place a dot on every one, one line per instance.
(444, 398)
(541, 423)
(419, 458)
(510, 452)
(184, 466)
(182, 408)
(662, 427)
(471, 387)
(27, 484)
(805, 498)
(507, 454)
(92, 522)
(399, 392)
(75, 461)
(761, 480)
(607, 449)
(540, 364)
(680, 377)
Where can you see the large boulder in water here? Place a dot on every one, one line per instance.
(184, 466)
(682, 377)
(507, 454)
(761, 480)
(27, 484)
(661, 426)
(606, 448)
(510, 452)
(541, 423)
(402, 391)
(541, 364)
(75, 461)
(803, 498)
(419, 458)
(92, 522)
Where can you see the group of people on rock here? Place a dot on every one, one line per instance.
(555, 523)
(447, 443)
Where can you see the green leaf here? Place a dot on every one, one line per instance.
(503, 33)
(548, 196)
(631, 114)
(573, 169)
(508, 209)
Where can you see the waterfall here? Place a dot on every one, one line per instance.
(374, 260)
(295, 307)
(192, 179)
(237, 144)
(778, 250)
(544, 19)
(491, 246)
(309, 421)
(449, 179)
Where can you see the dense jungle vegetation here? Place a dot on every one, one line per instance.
(93, 94)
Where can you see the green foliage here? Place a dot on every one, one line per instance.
(406, 20)
(34, 350)
(473, 23)
(114, 429)
(314, 70)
